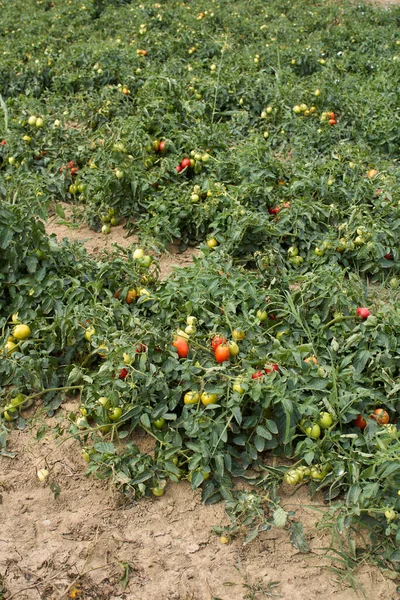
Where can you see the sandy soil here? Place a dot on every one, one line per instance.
(78, 544)
(75, 545)
(95, 243)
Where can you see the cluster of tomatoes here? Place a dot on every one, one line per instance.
(303, 109)
(314, 472)
(109, 220)
(274, 210)
(71, 166)
(380, 415)
(159, 146)
(194, 163)
(330, 117)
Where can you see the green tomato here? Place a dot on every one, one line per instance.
(317, 474)
(115, 413)
(145, 262)
(159, 423)
(262, 315)
(10, 413)
(314, 431)
(237, 387)
(104, 401)
(158, 491)
(291, 477)
(233, 348)
(281, 334)
(325, 420)
(138, 254)
(390, 514)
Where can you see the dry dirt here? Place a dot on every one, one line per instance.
(75, 545)
(95, 243)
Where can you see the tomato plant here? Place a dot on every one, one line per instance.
(290, 194)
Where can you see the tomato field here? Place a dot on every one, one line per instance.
(267, 136)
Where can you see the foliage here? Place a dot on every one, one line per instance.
(302, 223)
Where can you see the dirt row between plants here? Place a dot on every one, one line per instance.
(75, 536)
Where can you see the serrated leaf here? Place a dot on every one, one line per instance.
(280, 517)
(105, 447)
(297, 537)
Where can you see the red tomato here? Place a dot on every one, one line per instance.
(123, 374)
(270, 368)
(222, 353)
(185, 163)
(272, 317)
(178, 168)
(141, 348)
(216, 341)
(162, 146)
(388, 256)
(3, 143)
(332, 121)
(273, 210)
(363, 313)
(182, 347)
(331, 114)
(70, 164)
(381, 416)
(257, 375)
(360, 422)
(74, 170)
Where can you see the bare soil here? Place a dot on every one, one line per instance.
(77, 545)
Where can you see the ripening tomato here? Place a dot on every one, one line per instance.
(216, 341)
(208, 398)
(222, 353)
(182, 347)
(257, 375)
(21, 332)
(123, 374)
(185, 163)
(238, 335)
(363, 313)
(162, 146)
(360, 422)
(381, 416)
(191, 398)
(131, 296)
(140, 348)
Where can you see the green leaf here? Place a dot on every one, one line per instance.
(145, 420)
(279, 517)
(297, 537)
(105, 447)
